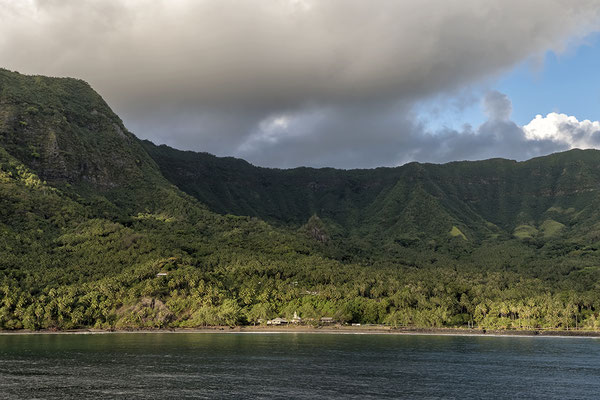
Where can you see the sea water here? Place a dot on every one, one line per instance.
(296, 365)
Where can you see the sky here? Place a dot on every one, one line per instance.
(336, 83)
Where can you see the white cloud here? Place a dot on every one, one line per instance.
(562, 128)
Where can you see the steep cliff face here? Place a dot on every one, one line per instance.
(66, 134)
(62, 129)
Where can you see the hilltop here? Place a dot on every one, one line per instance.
(90, 215)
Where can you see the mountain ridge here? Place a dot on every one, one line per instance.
(215, 182)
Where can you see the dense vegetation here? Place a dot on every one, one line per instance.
(89, 215)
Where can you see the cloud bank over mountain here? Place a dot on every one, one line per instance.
(499, 136)
(293, 82)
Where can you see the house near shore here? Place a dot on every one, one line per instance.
(327, 320)
(278, 321)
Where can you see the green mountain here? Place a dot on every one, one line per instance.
(101, 229)
(541, 200)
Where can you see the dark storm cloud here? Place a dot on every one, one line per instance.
(229, 76)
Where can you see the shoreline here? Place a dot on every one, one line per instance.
(335, 329)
